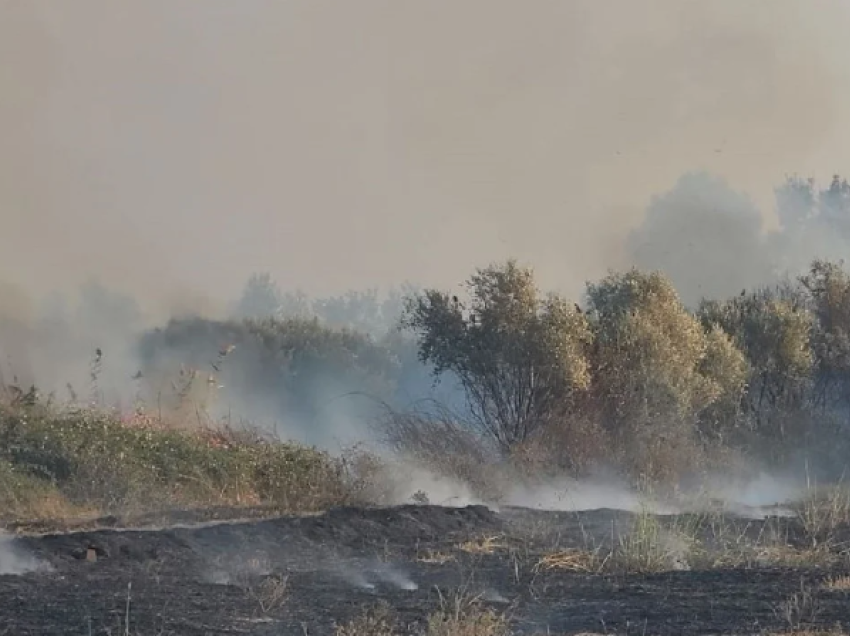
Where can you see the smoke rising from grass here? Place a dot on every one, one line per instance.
(393, 575)
(367, 575)
(353, 575)
(753, 497)
(15, 561)
(413, 482)
(578, 496)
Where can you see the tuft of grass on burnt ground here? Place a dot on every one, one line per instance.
(58, 466)
(458, 615)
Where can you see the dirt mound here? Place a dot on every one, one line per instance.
(343, 529)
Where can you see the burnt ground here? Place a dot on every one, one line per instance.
(222, 578)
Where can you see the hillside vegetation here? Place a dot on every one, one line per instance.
(497, 384)
(634, 381)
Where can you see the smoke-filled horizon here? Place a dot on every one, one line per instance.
(171, 151)
(156, 155)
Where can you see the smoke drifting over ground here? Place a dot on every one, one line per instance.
(368, 575)
(15, 560)
(752, 496)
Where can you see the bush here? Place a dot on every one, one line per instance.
(92, 459)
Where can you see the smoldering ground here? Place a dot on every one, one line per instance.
(288, 574)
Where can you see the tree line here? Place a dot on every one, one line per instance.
(629, 377)
(636, 378)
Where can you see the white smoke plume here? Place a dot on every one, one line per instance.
(15, 561)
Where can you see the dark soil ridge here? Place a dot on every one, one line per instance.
(157, 519)
(206, 579)
(172, 517)
(351, 528)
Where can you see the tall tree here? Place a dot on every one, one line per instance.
(828, 287)
(656, 369)
(772, 327)
(519, 356)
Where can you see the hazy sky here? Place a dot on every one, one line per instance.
(173, 147)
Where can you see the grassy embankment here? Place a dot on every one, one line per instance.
(71, 464)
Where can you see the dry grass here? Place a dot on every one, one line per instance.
(483, 545)
(460, 615)
(639, 556)
(464, 615)
(838, 583)
(823, 511)
(574, 560)
(270, 593)
(39, 507)
(378, 621)
(790, 556)
(653, 546)
(435, 557)
(800, 610)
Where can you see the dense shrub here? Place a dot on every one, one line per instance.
(93, 460)
(638, 381)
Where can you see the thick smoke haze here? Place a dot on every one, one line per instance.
(172, 149)
(168, 151)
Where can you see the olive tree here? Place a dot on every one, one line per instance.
(827, 286)
(656, 369)
(773, 331)
(520, 356)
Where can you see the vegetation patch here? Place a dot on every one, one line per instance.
(62, 464)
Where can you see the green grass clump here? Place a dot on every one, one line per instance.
(82, 459)
(23, 496)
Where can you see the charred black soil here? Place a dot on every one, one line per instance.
(301, 575)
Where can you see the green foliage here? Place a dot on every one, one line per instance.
(828, 287)
(774, 333)
(295, 366)
(656, 368)
(766, 371)
(93, 459)
(637, 380)
(366, 311)
(727, 369)
(520, 357)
